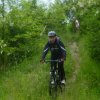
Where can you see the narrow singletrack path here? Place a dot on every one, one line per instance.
(74, 50)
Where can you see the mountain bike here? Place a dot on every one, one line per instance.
(54, 76)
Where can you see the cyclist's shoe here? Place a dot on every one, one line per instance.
(52, 82)
(63, 82)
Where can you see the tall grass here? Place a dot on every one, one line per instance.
(29, 80)
(88, 79)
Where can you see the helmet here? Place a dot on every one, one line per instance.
(52, 33)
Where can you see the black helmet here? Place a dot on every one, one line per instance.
(51, 33)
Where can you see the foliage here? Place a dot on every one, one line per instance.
(55, 18)
(95, 46)
(23, 32)
(23, 24)
(90, 25)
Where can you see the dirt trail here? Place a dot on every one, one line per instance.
(76, 58)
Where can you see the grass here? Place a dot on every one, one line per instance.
(29, 80)
(24, 83)
(88, 79)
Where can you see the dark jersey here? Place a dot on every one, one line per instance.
(57, 49)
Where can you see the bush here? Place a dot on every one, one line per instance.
(90, 25)
(95, 46)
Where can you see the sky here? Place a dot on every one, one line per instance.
(46, 2)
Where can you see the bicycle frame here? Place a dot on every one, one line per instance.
(54, 76)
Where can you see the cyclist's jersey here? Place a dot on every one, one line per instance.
(57, 49)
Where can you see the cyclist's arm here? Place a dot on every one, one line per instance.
(45, 51)
(63, 50)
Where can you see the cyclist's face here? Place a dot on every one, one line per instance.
(52, 39)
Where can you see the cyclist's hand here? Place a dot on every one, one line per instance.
(42, 60)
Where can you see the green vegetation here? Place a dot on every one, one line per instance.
(23, 32)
